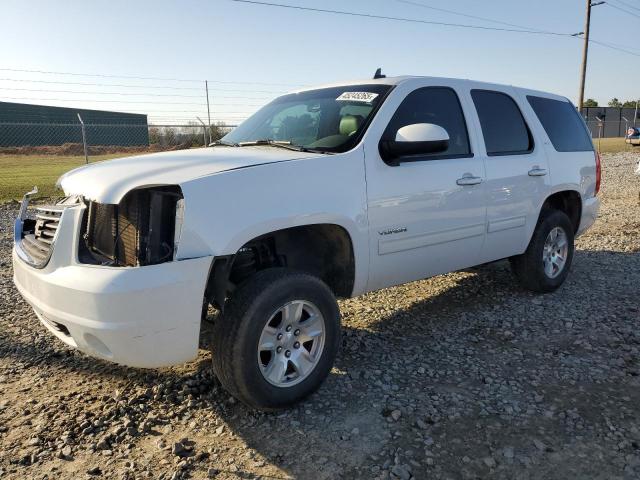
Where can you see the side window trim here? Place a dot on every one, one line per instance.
(524, 121)
(422, 158)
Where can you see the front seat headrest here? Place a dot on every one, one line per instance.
(349, 124)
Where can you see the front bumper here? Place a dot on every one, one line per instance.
(633, 140)
(590, 208)
(137, 316)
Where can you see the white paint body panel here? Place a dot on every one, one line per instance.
(406, 222)
(109, 181)
(437, 225)
(513, 198)
(145, 317)
(225, 211)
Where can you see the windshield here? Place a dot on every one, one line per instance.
(328, 119)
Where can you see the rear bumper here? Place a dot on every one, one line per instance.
(141, 317)
(590, 208)
(633, 141)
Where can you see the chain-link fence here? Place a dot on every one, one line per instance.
(609, 128)
(96, 139)
(21, 138)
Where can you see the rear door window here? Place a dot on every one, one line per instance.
(503, 127)
(563, 124)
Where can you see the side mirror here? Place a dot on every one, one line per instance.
(416, 139)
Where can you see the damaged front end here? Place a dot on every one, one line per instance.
(143, 229)
(35, 233)
(101, 276)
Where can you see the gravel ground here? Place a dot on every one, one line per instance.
(460, 376)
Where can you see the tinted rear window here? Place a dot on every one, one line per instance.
(503, 127)
(562, 123)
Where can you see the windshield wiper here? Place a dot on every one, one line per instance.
(281, 144)
(273, 143)
(223, 143)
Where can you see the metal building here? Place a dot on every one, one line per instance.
(36, 125)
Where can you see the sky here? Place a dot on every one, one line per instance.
(252, 53)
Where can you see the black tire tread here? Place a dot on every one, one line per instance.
(226, 355)
(526, 266)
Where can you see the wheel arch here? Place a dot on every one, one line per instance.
(325, 250)
(568, 201)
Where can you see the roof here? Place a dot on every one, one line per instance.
(407, 78)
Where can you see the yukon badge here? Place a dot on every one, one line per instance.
(393, 230)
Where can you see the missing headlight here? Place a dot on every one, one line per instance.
(140, 230)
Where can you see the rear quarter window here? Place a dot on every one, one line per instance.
(504, 129)
(563, 124)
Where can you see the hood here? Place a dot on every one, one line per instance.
(109, 181)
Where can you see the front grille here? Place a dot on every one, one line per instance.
(38, 245)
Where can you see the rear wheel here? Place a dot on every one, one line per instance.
(544, 266)
(277, 340)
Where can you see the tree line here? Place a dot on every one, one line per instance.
(614, 102)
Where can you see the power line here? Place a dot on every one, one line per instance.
(632, 7)
(126, 101)
(412, 20)
(453, 12)
(133, 86)
(622, 9)
(100, 75)
(234, 116)
(98, 93)
(612, 47)
(131, 77)
(96, 84)
(125, 93)
(398, 19)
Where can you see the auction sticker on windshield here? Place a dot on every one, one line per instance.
(365, 97)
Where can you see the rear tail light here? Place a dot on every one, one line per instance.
(598, 173)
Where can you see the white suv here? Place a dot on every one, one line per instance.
(326, 192)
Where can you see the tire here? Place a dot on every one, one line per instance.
(529, 268)
(268, 303)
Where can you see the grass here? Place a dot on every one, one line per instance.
(19, 173)
(614, 145)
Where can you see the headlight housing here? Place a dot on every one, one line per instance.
(143, 229)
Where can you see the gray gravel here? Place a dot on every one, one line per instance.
(460, 376)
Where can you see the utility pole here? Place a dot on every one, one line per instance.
(206, 86)
(585, 51)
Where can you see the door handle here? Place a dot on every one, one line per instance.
(537, 172)
(469, 179)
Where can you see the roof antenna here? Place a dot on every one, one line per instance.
(379, 74)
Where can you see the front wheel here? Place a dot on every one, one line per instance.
(277, 340)
(544, 266)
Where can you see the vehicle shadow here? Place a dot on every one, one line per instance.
(401, 328)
